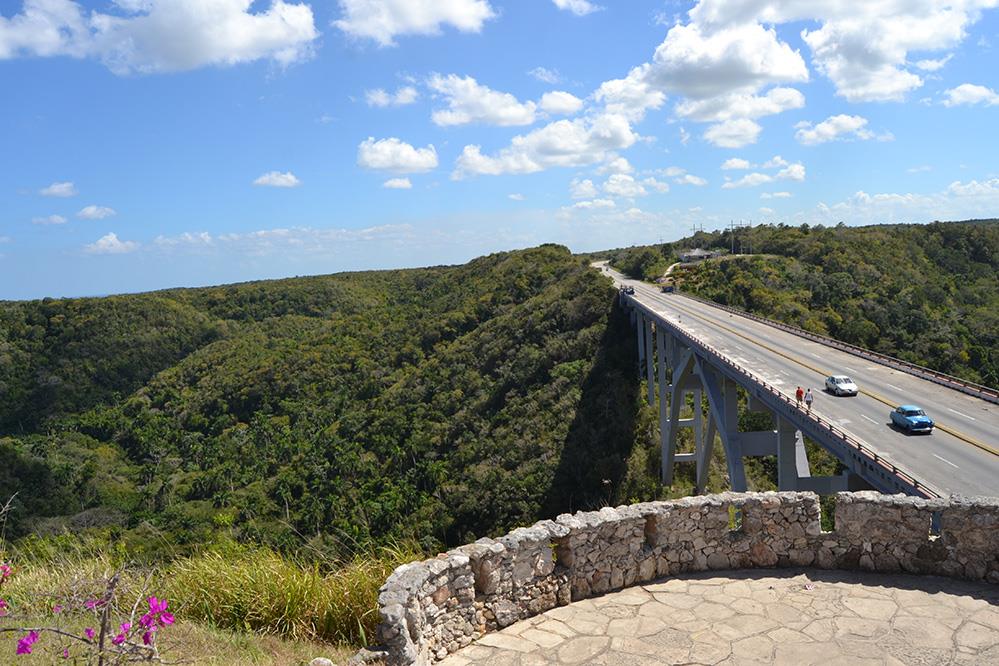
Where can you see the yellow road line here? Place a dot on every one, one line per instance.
(879, 398)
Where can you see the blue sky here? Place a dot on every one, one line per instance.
(157, 143)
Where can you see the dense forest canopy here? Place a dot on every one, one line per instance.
(439, 403)
(928, 294)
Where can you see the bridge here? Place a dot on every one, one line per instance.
(691, 349)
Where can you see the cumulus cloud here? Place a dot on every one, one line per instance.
(970, 94)
(560, 103)
(49, 219)
(833, 128)
(110, 244)
(657, 185)
(593, 203)
(546, 75)
(582, 189)
(291, 241)
(381, 98)
(623, 185)
(384, 20)
(794, 171)
(565, 143)
(277, 179)
(393, 154)
(775, 195)
(736, 163)
(65, 189)
(577, 7)
(397, 184)
(617, 165)
(471, 102)
(749, 180)
(930, 65)
(96, 212)
(960, 200)
(144, 36)
(515, 196)
(631, 96)
(733, 133)
(691, 179)
(741, 105)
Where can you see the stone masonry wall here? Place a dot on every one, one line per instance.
(432, 608)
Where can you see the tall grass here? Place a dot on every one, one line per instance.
(228, 587)
(259, 590)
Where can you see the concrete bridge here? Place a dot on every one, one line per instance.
(690, 348)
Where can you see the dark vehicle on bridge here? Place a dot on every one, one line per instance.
(911, 419)
(627, 290)
(666, 289)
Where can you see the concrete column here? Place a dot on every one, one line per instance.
(787, 452)
(664, 390)
(649, 364)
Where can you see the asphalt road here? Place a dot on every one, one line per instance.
(948, 459)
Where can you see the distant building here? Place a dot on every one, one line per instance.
(697, 254)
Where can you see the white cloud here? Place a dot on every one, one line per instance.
(733, 133)
(577, 7)
(470, 102)
(862, 47)
(593, 203)
(691, 179)
(562, 143)
(96, 212)
(546, 75)
(381, 98)
(749, 180)
(582, 189)
(393, 154)
(700, 64)
(631, 96)
(919, 169)
(766, 211)
(277, 179)
(623, 185)
(516, 196)
(775, 195)
(617, 165)
(959, 201)
(736, 163)
(559, 102)
(684, 136)
(934, 65)
(673, 171)
(398, 184)
(304, 241)
(161, 35)
(794, 171)
(656, 185)
(774, 162)
(384, 20)
(110, 244)
(970, 94)
(66, 189)
(50, 219)
(833, 128)
(740, 105)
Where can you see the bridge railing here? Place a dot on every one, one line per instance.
(956, 383)
(789, 406)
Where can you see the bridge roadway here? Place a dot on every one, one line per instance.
(948, 459)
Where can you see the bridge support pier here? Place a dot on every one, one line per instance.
(679, 372)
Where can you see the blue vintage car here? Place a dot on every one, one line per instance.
(911, 419)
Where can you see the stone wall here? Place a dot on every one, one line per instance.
(432, 608)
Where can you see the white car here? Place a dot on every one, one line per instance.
(841, 385)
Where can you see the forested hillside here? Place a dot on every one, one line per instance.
(440, 404)
(925, 293)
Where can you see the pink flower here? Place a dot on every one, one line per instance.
(156, 605)
(166, 619)
(65, 653)
(56, 609)
(147, 620)
(157, 614)
(25, 643)
(90, 604)
(147, 638)
(5, 571)
(89, 633)
(120, 638)
(3, 607)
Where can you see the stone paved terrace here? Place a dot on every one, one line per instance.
(795, 617)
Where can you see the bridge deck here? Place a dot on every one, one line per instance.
(956, 458)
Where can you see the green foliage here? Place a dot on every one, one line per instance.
(441, 404)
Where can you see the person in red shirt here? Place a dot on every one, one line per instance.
(798, 395)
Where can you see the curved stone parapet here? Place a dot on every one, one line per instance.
(432, 608)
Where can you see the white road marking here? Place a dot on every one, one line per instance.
(843, 421)
(946, 461)
(815, 355)
(865, 416)
(961, 414)
(894, 387)
(873, 367)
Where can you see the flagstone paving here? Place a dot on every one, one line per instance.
(826, 618)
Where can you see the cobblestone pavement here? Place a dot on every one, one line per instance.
(761, 617)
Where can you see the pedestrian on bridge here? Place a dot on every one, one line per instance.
(808, 399)
(798, 395)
